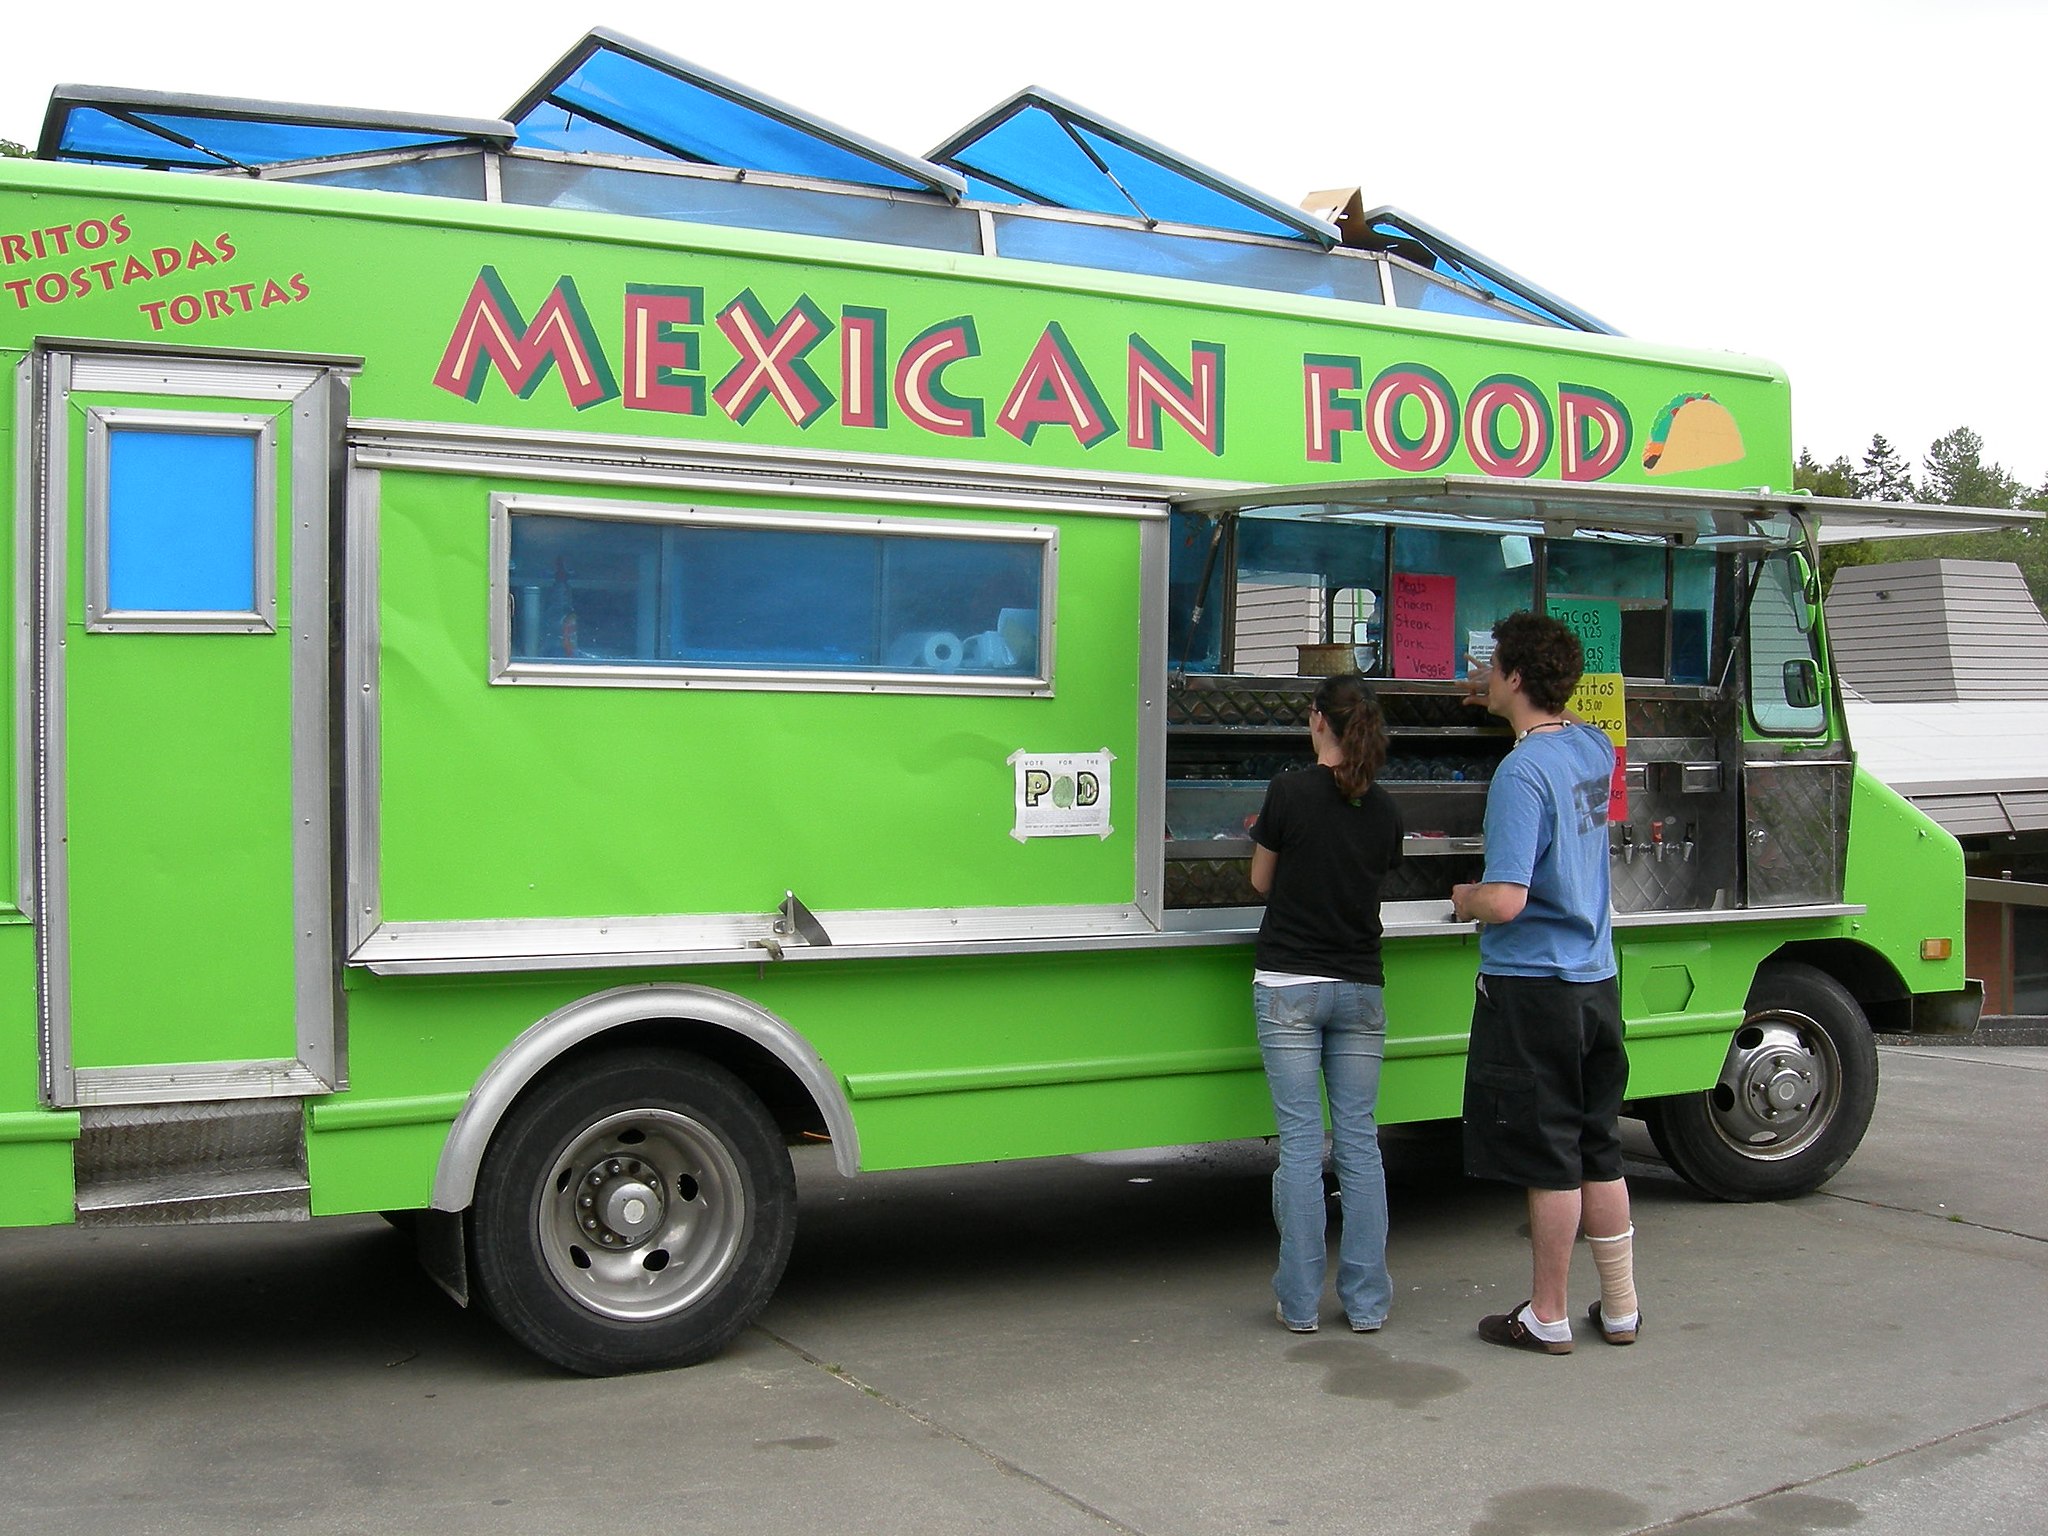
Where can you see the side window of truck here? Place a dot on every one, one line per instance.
(180, 522)
(1786, 695)
(655, 593)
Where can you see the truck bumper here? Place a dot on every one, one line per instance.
(1948, 1013)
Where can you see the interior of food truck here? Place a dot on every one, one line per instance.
(1401, 582)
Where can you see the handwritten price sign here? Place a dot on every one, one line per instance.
(1421, 627)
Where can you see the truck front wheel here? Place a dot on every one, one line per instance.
(1793, 1100)
(635, 1211)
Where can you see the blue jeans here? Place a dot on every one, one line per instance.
(1313, 1036)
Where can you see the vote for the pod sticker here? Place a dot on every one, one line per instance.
(1062, 794)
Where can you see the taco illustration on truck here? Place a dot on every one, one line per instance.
(1694, 431)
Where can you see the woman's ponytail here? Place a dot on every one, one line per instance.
(1353, 715)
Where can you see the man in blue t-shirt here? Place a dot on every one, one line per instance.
(1546, 1070)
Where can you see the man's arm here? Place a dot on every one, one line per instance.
(1491, 901)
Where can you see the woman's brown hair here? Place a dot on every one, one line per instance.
(1353, 715)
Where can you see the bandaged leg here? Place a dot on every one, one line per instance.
(1615, 1258)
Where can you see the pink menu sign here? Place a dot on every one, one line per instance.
(1421, 626)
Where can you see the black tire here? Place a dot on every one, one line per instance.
(634, 1211)
(1794, 1098)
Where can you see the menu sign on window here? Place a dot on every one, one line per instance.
(1599, 699)
(1421, 626)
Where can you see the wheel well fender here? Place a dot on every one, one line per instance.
(760, 1048)
(1865, 973)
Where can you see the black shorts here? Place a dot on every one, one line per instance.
(1544, 1082)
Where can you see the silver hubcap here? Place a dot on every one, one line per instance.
(643, 1213)
(1780, 1087)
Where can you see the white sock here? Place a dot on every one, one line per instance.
(1559, 1332)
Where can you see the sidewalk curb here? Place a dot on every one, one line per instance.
(1997, 1029)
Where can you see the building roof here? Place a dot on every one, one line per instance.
(1945, 667)
(1977, 766)
(1930, 630)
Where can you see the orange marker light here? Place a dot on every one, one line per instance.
(1936, 949)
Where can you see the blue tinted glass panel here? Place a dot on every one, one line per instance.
(449, 176)
(1490, 578)
(181, 522)
(1310, 270)
(1328, 555)
(1693, 573)
(1598, 569)
(1194, 623)
(262, 143)
(548, 126)
(988, 192)
(1033, 153)
(90, 134)
(706, 126)
(1170, 194)
(740, 204)
(702, 596)
(1417, 290)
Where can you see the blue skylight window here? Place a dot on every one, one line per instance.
(1037, 148)
(612, 95)
(153, 129)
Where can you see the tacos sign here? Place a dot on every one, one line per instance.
(1407, 415)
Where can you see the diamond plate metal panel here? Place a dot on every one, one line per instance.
(1676, 851)
(1210, 883)
(1236, 702)
(1795, 821)
(238, 1160)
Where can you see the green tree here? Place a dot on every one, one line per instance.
(1885, 476)
(1957, 475)
(1818, 479)
(9, 150)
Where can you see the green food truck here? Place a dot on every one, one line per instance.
(558, 657)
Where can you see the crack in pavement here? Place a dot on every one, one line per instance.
(1947, 1221)
(1677, 1522)
(995, 1459)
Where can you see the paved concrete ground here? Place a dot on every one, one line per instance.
(1087, 1346)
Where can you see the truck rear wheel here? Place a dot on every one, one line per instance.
(633, 1212)
(1794, 1098)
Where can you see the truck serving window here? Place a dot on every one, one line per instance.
(1665, 597)
(677, 596)
(1449, 586)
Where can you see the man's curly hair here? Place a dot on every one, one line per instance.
(1545, 652)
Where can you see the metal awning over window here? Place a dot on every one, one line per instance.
(612, 95)
(160, 130)
(1556, 508)
(1040, 150)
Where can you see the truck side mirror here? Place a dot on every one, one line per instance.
(1802, 684)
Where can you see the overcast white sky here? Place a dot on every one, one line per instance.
(1848, 189)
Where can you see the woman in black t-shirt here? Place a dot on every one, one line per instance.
(1324, 840)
